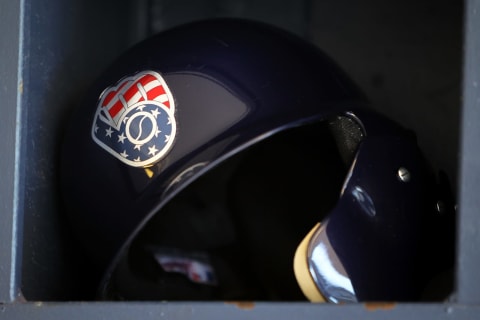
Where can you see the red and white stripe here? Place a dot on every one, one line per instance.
(131, 91)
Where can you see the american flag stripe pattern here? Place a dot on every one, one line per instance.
(117, 100)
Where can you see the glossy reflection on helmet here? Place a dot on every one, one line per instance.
(327, 270)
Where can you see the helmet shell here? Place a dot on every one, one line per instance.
(228, 85)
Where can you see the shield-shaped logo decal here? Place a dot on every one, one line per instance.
(135, 119)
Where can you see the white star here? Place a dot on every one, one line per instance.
(109, 132)
(157, 132)
(169, 121)
(125, 119)
(167, 137)
(124, 154)
(155, 113)
(152, 150)
(137, 146)
(141, 107)
(121, 138)
(96, 128)
(138, 159)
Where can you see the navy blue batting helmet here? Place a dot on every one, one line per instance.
(228, 159)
